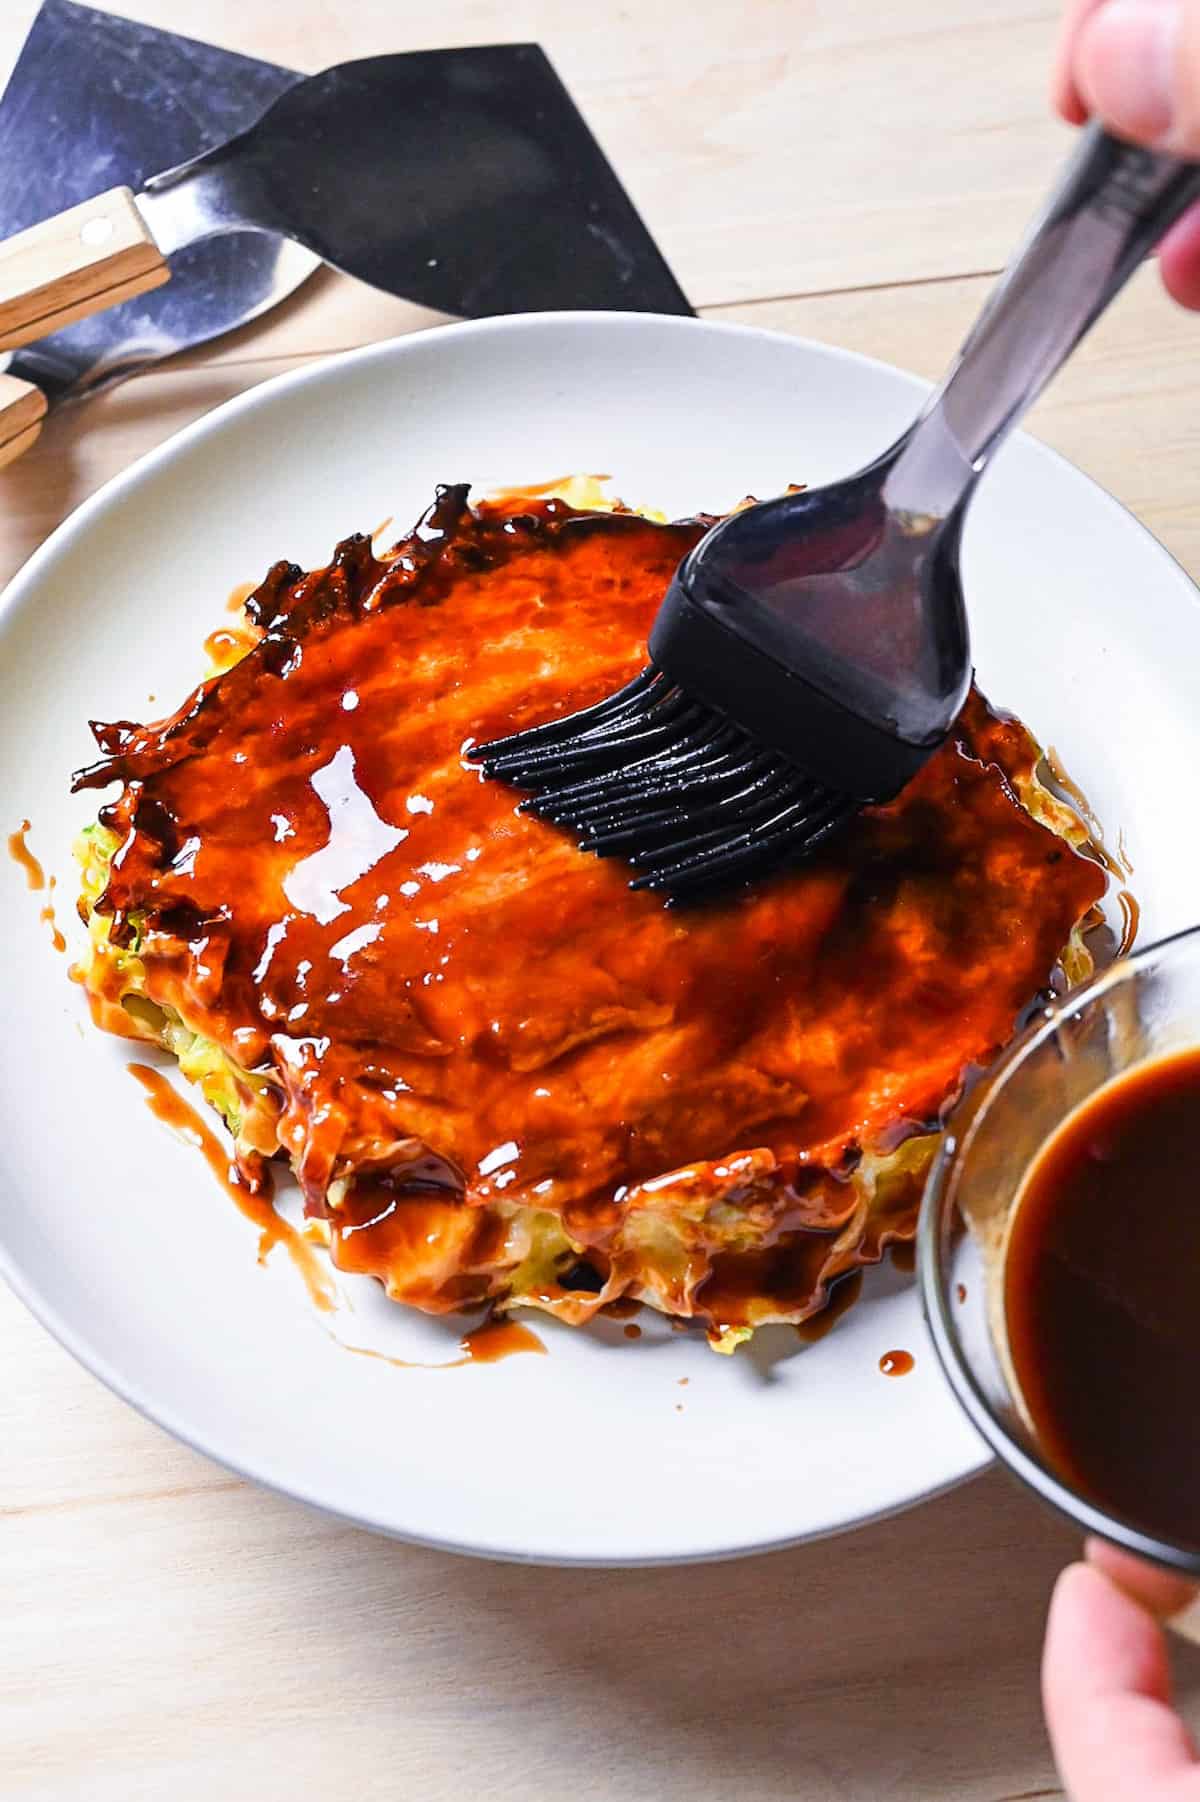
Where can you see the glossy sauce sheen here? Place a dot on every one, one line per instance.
(842, 1298)
(896, 1363)
(458, 1005)
(170, 1107)
(1102, 1298)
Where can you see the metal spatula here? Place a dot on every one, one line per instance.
(461, 179)
(95, 99)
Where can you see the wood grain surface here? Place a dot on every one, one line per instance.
(836, 168)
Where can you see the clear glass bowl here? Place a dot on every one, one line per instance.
(1143, 1007)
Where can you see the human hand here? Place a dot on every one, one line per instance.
(1106, 1683)
(1135, 65)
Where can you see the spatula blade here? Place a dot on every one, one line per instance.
(95, 100)
(462, 179)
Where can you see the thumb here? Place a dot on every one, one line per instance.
(1137, 68)
(1107, 1692)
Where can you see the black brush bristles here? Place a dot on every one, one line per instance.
(691, 800)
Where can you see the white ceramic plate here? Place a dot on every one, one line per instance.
(114, 1232)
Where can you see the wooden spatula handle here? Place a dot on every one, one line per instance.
(22, 409)
(77, 263)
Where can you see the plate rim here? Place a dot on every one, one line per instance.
(160, 457)
(320, 367)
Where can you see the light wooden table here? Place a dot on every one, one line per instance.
(167, 1631)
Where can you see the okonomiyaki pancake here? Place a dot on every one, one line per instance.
(499, 1074)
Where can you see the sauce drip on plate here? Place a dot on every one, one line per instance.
(46, 916)
(497, 1339)
(167, 1105)
(490, 1343)
(18, 850)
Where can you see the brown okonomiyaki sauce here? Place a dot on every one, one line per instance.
(238, 596)
(498, 1339)
(18, 850)
(47, 917)
(35, 878)
(623, 1308)
(227, 644)
(454, 1005)
(1100, 1298)
(490, 1343)
(167, 1105)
